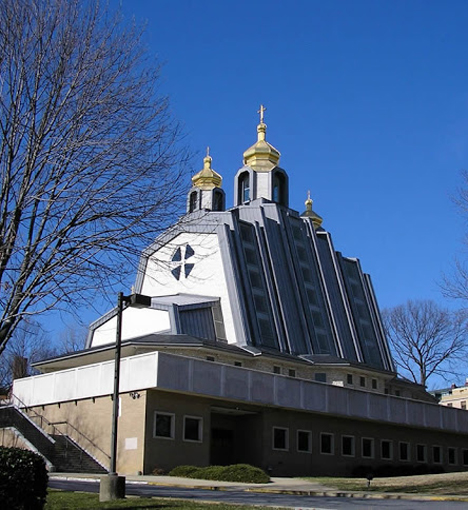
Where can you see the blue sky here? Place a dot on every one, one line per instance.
(366, 100)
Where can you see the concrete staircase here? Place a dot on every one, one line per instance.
(59, 450)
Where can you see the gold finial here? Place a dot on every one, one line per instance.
(208, 151)
(308, 202)
(261, 112)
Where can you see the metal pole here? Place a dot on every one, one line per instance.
(115, 412)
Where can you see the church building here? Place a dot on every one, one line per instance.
(261, 344)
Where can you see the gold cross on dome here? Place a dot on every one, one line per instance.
(261, 112)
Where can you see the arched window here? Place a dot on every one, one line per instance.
(244, 187)
(218, 201)
(279, 188)
(193, 201)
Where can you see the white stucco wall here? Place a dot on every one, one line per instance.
(135, 322)
(207, 277)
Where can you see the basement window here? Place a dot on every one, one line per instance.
(452, 456)
(327, 443)
(163, 425)
(367, 447)
(347, 446)
(386, 452)
(404, 451)
(304, 441)
(280, 438)
(421, 454)
(436, 455)
(193, 429)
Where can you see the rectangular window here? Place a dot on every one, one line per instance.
(163, 425)
(277, 370)
(386, 452)
(193, 429)
(304, 441)
(404, 451)
(210, 358)
(397, 393)
(347, 446)
(463, 404)
(349, 378)
(367, 447)
(421, 454)
(450, 405)
(436, 455)
(362, 382)
(321, 377)
(292, 372)
(280, 438)
(237, 363)
(452, 456)
(327, 443)
(374, 384)
(465, 457)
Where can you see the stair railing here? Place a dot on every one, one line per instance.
(82, 436)
(57, 431)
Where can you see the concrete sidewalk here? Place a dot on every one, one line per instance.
(277, 486)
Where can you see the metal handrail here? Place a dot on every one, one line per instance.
(94, 445)
(57, 430)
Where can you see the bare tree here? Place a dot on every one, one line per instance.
(90, 156)
(28, 344)
(426, 339)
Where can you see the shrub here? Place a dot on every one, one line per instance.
(243, 473)
(23, 479)
(183, 471)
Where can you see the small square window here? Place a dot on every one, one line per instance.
(421, 453)
(327, 443)
(163, 425)
(386, 452)
(277, 370)
(349, 378)
(367, 447)
(210, 358)
(347, 446)
(304, 441)
(374, 384)
(280, 438)
(193, 429)
(237, 363)
(362, 382)
(452, 456)
(292, 372)
(321, 377)
(397, 393)
(404, 451)
(450, 405)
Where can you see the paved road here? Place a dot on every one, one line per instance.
(266, 499)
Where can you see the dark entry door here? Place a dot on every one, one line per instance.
(222, 447)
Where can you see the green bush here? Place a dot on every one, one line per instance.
(243, 473)
(183, 471)
(23, 479)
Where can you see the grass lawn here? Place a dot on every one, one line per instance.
(60, 500)
(441, 484)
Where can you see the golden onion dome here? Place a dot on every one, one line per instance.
(261, 156)
(207, 178)
(309, 213)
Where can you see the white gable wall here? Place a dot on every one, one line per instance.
(207, 278)
(135, 322)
